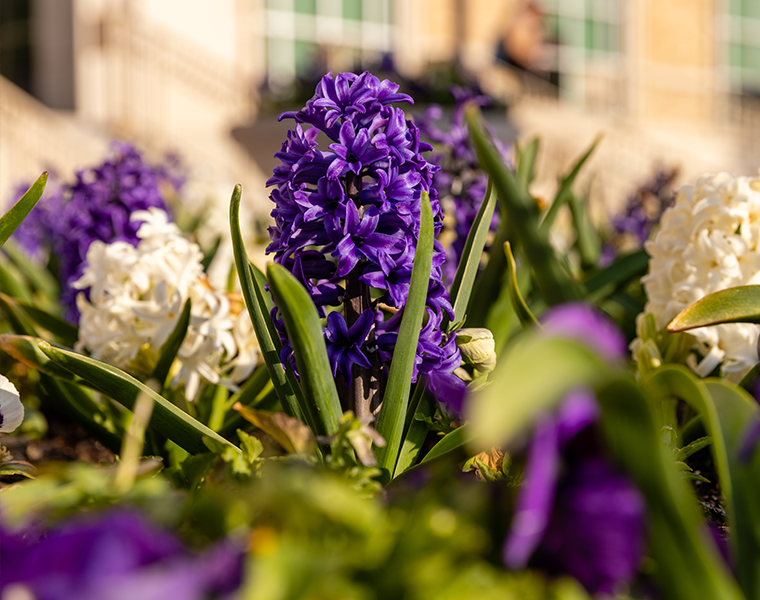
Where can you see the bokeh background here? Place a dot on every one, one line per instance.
(672, 84)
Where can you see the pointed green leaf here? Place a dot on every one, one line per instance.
(25, 349)
(564, 192)
(16, 317)
(688, 564)
(522, 213)
(305, 334)
(390, 422)
(171, 346)
(461, 436)
(469, 262)
(38, 277)
(209, 256)
(527, 319)
(284, 382)
(735, 305)
(169, 420)
(10, 221)
(60, 328)
(526, 163)
(587, 239)
(624, 269)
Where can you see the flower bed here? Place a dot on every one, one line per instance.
(373, 417)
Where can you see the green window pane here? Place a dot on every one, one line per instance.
(308, 7)
(735, 55)
(751, 8)
(572, 32)
(352, 9)
(751, 57)
(600, 36)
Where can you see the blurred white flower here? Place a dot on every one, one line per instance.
(136, 298)
(708, 241)
(11, 409)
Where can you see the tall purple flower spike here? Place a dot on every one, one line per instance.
(575, 513)
(356, 205)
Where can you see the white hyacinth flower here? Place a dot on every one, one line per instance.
(709, 240)
(11, 409)
(136, 298)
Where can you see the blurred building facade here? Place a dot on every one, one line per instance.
(676, 82)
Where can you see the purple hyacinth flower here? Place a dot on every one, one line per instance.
(358, 204)
(596, 533)
(575, 514)
(115, 556)
(586, 324)
(344, 344)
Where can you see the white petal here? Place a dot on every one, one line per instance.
(11, 409)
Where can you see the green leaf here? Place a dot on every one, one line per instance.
(527, 319)
(18, 320)
(80, 407)
(261, 282)
(171, 346)
(735, 305)
(305, 334)
(38, 277)
(415, 430)
(169, 420)
(461, 436)
(209, 256)
(553, 280)
(10, 221)
(60, 328)
(619, 273)
(469, 262)
(284, 382)
(532, 376)
(693, 447)
(564, 193)
(735, 410)
(390, 422)
(25, 349)
(526, 162)
(12, 280)
(587, 241)
(688, 564)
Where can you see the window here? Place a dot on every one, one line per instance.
(306, 38)
(739, 45)
(584, 40)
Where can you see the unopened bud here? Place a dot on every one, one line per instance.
(478, 348)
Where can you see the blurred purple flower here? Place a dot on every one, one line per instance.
(641, 214)
(586, 324)
(115, 556)
(575, 513)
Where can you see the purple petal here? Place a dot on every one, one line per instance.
(536, 498)
(584, 323)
